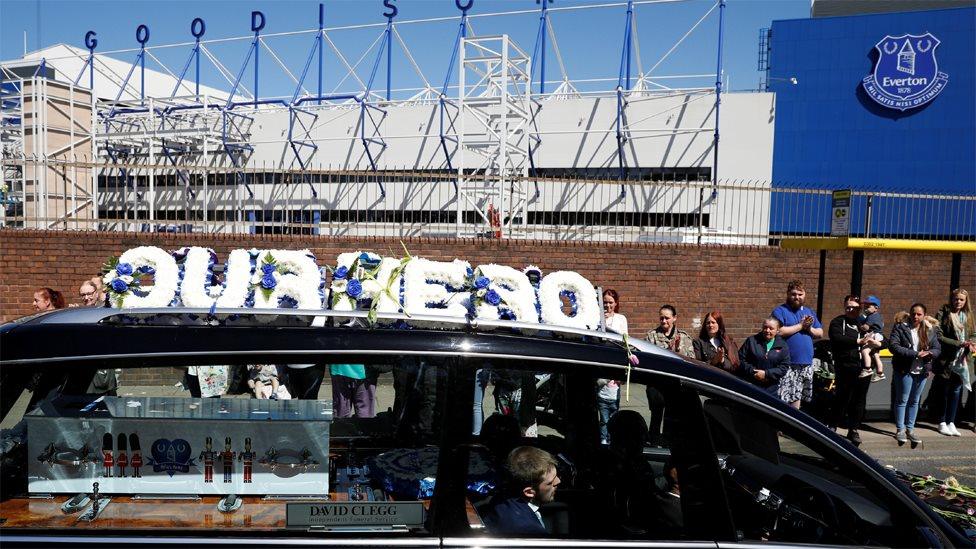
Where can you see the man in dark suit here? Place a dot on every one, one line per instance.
(533, 481)
(668, 518)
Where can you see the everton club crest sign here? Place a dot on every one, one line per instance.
(907, 74)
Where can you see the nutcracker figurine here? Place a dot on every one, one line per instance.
(227, 456)
(136, 461)
(247, 456)
(123, 460)
(107, 462)
(207, 457)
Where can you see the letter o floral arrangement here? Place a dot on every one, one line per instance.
(581, 295)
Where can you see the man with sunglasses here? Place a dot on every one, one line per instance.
(852, 388)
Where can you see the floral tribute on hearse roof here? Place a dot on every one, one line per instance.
(150, 277)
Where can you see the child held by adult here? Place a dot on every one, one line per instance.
(871, 325)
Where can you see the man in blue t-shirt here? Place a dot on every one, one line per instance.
(800, 327)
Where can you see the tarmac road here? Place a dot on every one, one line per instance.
(938, 455)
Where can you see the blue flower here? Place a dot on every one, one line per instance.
(147, 270)
(469, 271)
(354, 289)
(267, 268)
(341, 272)
(492, 298)
(119, 285)
(268, 282)
(481, 282)
(124, 269)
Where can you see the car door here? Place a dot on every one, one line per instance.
(789, 485)
(613, 495)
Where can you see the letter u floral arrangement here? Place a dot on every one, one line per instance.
(150, 277)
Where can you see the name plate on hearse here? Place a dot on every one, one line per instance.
(345, 514)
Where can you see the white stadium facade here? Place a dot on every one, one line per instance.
(501, 149)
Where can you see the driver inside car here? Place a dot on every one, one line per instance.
(532, 483)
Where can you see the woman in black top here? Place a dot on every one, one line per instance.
(914, 348)
(714, 346)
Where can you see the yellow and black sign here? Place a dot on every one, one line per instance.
(840, 208)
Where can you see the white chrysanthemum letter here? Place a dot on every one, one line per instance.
(580, 293)
(425, 288)
(194, 290)
(165, 279)
(295, 275)
(518, 295)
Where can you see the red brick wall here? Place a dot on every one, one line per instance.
(745, 283)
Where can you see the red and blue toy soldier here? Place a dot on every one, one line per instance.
(247, 456)
(207, 457)
(227, 456)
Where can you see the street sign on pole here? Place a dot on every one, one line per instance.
(840, 213)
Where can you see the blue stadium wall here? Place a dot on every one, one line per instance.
(831, 135)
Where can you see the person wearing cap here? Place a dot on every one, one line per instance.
(852, 388)
(871, 325)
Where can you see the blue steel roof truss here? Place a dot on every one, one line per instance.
(372, 114)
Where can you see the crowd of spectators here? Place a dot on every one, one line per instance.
(780, 357)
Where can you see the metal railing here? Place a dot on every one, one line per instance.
(656, 206)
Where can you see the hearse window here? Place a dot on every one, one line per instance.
(322, 448)
(783, 486)
(618, 480)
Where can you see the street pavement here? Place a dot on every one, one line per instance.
(937, 455)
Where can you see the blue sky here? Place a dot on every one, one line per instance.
(590, 40)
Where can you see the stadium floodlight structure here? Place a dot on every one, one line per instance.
(162, 125)
(494, 88)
